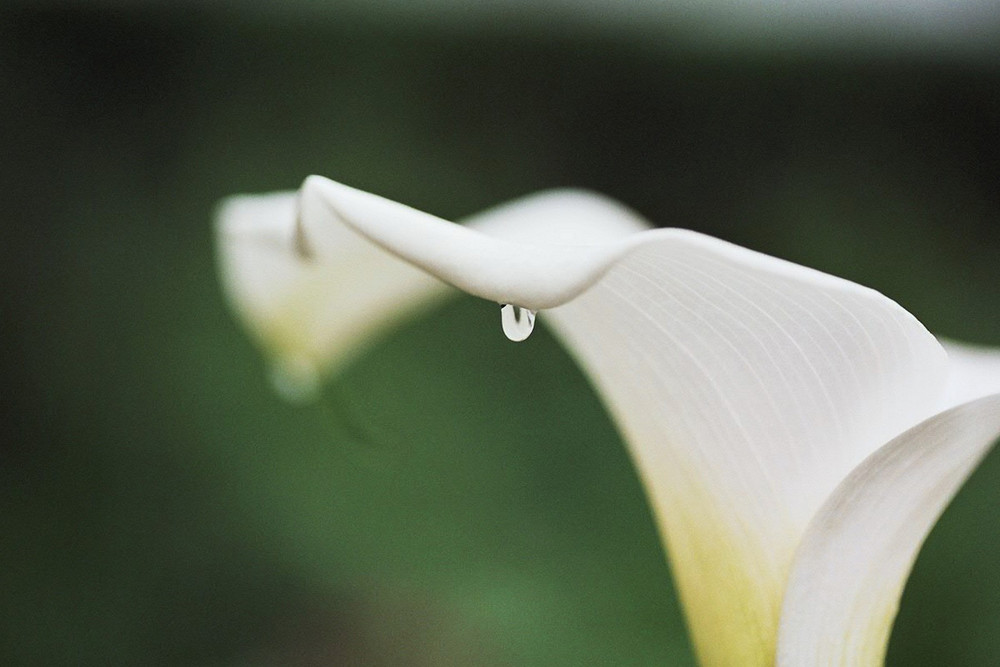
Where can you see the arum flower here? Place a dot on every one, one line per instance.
(797, 434)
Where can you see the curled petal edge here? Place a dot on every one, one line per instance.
(854, 559)
(535, 270)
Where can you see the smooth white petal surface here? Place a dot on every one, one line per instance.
(974, 371)
(314, 295)
(848, 576)
(563, 217)
(746, 387)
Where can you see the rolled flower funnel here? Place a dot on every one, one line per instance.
(797, 435)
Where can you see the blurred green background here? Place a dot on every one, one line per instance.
(452, 499)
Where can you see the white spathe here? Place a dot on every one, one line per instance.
(313, 294)
(797, 434)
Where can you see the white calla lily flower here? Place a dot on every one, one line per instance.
(798, 435)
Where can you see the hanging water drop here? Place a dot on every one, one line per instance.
(517, 322)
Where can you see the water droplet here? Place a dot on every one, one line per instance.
(295, 380)
(517, 322)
